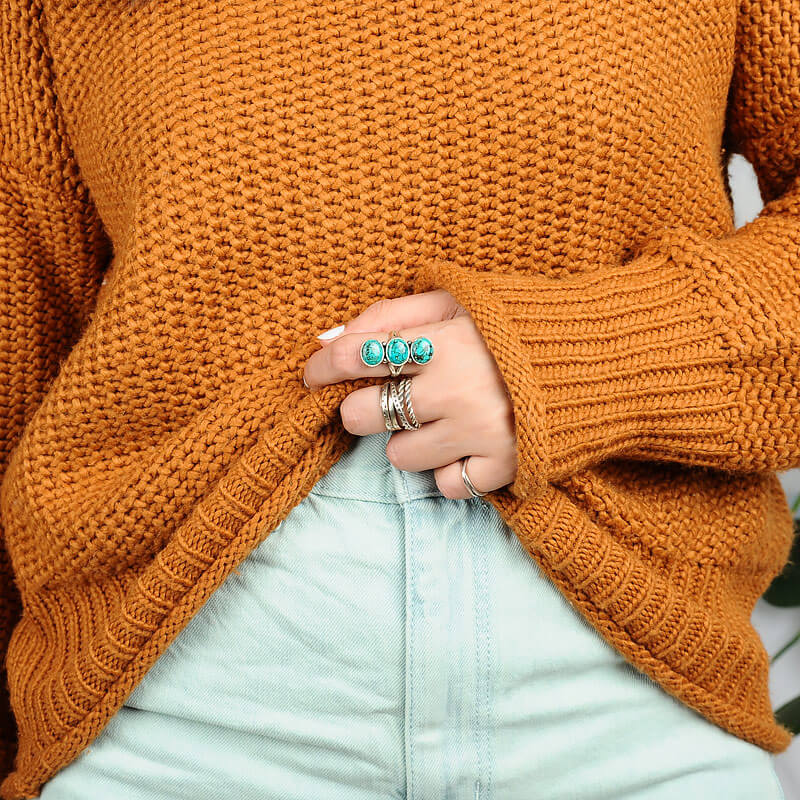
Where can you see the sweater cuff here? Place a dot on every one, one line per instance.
(630, 361)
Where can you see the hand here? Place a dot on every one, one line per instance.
(459, 397)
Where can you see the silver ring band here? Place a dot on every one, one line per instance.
(467, 482)
(397, 424)
(405, 389)
(398, 413)
(397, 402)
(387, 408)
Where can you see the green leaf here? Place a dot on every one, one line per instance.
(793, 641)
(789, 715)
(784, 591)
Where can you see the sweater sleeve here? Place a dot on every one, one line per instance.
(690, 351)
(52, 256)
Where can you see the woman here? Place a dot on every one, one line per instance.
(237, 566)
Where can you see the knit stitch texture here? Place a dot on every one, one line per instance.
(190, 191)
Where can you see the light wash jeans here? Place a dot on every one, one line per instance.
(387, 642)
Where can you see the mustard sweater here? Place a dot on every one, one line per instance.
(190, 191)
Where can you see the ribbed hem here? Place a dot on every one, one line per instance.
(676, 621)
(628, 362)
(136, 616)
(676, 624)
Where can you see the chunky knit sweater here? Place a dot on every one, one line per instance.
(190, 191)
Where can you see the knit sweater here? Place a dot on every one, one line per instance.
(190, 191)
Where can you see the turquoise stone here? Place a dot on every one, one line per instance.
(372, 352)
(397, 351)
(421, 350)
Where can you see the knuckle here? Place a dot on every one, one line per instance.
(462, 328)
(451, 306)
(377, 310)
(460, 340)
(352, 418)
(394, 452)
(487, 424)
(447, 488)
(383, 306)
(340, 356)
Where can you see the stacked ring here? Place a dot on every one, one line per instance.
(396, 352)
(398, 413)
(404, 389)
(387, 407)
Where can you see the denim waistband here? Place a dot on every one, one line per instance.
(363, 472)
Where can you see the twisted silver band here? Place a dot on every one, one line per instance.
(397, 401)
(405, 389)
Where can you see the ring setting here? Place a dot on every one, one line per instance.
(396, 352)
(372, 352)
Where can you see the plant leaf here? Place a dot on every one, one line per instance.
(784, 591)
(793, 641)
(789, 715)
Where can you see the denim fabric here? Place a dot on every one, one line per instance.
(387, 642)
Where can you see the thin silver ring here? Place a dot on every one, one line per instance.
(385, 410)
(387, 407)
(467, 482)
(396, 424)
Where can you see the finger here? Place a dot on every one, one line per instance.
(486, 474)
(341, 358)
(434, 445)
(361, 410)
(448, 479)
(406, 311)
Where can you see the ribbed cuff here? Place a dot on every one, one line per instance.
(631, 361)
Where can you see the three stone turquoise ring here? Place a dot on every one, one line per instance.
(396, 352)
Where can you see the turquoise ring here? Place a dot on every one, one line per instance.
(396, 352)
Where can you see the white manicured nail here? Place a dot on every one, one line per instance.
(332, 333)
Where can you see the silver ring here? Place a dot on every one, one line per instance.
(397, 402)
(387, 408)
(396, 405)
(405, 389)
(401, 395)
(467, 482)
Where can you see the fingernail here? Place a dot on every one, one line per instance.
(332, 333)
(305, 383)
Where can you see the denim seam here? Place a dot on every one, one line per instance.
(476, 726)
(380, 501)
(411, 614)
(373, 500)
(483, 642)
